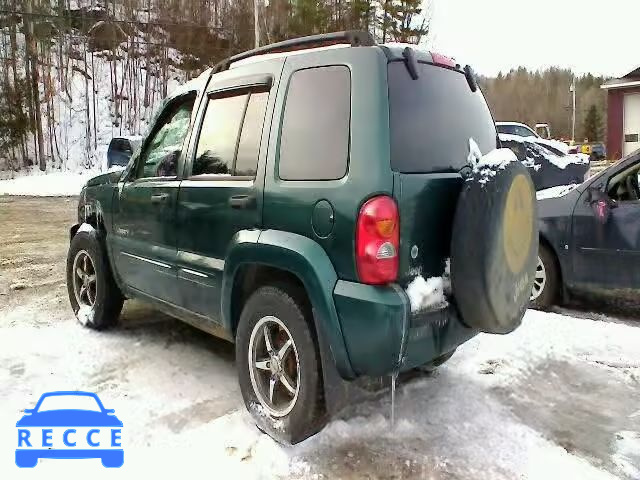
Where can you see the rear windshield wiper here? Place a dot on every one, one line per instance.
(410, 62)
(471, 78)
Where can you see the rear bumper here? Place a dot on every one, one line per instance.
(382, 335)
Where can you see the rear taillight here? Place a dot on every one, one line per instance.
(442, 60)
(378, 241)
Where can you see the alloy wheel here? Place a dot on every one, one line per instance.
(84, 279)
(539, 281)
(274, 366)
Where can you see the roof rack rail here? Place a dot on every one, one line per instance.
(356, 38)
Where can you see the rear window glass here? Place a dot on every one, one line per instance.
(433, 118)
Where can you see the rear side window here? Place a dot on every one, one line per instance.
(433, 118)
(314, 141)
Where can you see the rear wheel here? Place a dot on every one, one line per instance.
(278, 365)
(546, 286)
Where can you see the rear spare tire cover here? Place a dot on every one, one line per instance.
(494, 247)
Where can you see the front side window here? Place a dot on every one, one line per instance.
(219, 135)
(229, 141)
(249, 145)
(624, 187)
(314, 141)
(162, 152)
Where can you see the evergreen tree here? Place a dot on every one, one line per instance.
(592, 124)
(410, 25)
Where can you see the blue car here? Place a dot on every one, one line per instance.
(69, 425)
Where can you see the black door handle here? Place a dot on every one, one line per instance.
(242, 201)
(159, 197)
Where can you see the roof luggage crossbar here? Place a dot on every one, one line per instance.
(355, 38)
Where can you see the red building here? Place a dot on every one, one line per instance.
(623, 117)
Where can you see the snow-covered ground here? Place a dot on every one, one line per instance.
(49, 184)
(557, 399)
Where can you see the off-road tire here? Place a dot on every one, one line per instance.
(308, 414)
(109, 299)
(494, 247)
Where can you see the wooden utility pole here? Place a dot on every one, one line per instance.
(256, 22)
(33, 54)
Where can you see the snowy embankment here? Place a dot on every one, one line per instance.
(560, 161)
(555, 192)
(51, 184)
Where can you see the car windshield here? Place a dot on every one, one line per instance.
(512, 129)
(69, 402)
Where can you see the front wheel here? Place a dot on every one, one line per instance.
(279, 365)
(94, 296)
(546, 286)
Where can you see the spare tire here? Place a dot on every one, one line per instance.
(494, 247)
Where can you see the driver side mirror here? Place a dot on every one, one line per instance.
(29, 410)
(596, 192)
(600, 202)
(120, 151)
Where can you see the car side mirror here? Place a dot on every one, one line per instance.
(119, 152)
(29, 410)
(109, 411)
(597, 191)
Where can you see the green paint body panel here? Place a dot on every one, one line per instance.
(304, 258)
(373, 321)
(289, 205)
(186, 255)
(427, 204)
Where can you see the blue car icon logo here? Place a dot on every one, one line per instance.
(69, 425)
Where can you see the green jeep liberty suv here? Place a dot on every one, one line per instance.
(286, 199)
